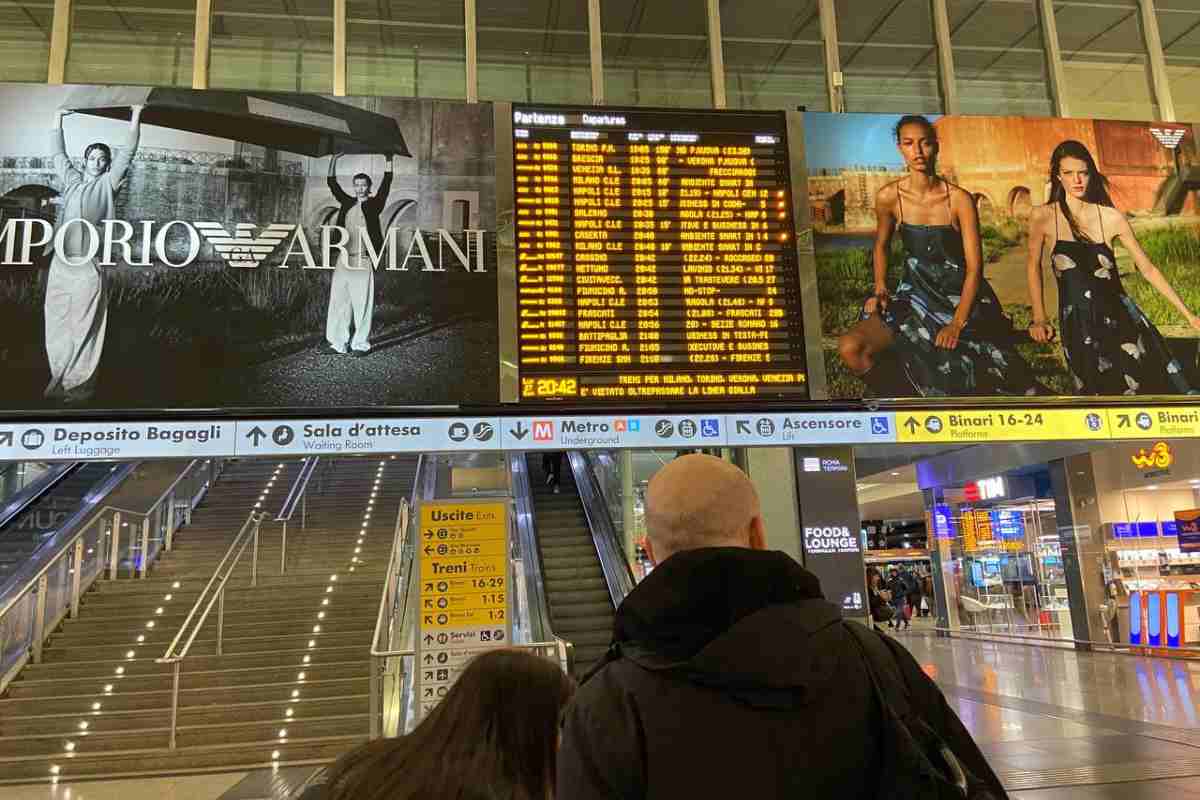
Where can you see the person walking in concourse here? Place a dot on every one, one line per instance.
(494, 735)
(730, 676)
(352, 292)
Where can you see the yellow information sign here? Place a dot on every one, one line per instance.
(463, 552)
(1160, 422)
(1002, 425)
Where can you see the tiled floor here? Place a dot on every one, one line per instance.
(1057, 724)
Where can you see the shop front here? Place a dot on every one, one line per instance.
(1072, 545)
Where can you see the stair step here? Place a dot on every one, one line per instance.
(217, 758)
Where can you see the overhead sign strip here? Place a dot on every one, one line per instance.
(83, 441)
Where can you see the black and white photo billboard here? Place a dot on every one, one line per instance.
(174, 249)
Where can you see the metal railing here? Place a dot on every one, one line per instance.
(248, 535)
(297, 496)
(87, 545)
(617, 574)
(393, 651)
(1033, 640)
(533, 613)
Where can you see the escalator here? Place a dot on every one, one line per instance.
(577, 593)
(37, 521)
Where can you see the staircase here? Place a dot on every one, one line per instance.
(581, 610)
(25, 533)
(292, 683)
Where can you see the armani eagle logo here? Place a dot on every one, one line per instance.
(243, 249)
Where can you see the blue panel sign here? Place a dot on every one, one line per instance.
(1123, 530)
(943, 522)
(1147, 530)
(1170, 528)
(1154, 619)
(1135, 617)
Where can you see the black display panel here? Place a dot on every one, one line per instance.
(656, 256)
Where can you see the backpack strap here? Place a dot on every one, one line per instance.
(891, 688)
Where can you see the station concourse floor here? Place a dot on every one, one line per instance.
(1055, 724)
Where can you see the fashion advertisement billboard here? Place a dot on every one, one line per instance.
(174, 249)
(978, 256)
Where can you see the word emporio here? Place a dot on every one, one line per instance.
(116, 239)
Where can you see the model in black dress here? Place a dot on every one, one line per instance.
(1111, 346)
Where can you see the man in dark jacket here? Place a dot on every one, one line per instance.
(352, 290)
(730, 676)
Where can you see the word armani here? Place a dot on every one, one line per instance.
(115, 242)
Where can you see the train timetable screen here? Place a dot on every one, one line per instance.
(655, 256)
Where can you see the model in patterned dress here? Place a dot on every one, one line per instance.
(1111, 347)
(943, 321)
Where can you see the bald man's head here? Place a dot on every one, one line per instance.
(701, 501)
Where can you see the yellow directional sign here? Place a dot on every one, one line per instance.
(435, 567)
(1154, 422)
(463, 602)
(1002, 425)
(463, 551)
(463, 585)
(437, 620)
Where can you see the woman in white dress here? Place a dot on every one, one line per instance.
(77, 288)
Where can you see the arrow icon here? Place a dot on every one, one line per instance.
(6, 438)
(428, 619)
(520, 431)
(1122, 420)
(428, 534)
(428, 658)
(429, 638)
(428, 549)
(743, 426)
(912, 425)
(256, 435)
(428, 674)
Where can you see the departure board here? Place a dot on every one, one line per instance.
(656, 256)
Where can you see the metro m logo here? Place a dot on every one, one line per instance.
(543, 430)
(242, 249)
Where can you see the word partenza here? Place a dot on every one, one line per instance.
(116, 241)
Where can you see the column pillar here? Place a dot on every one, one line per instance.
(1158, 61)
(774, 476)
(716, 53)
(834, 83)
(1081, 538)
(1054, 64)
(628, 504)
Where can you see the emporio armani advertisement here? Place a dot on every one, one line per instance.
(167, 248)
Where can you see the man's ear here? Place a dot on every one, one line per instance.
(758, 533)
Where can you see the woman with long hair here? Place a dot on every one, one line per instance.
(943, 318)
(1110, 345)
(494, 736)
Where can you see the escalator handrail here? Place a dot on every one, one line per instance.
(34, 491)
(538, 613)
(45, 557)
(617, 574)
(393, 602)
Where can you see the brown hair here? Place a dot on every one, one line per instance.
(1097, 189)
(494, 735)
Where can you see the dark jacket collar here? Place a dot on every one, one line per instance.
(697, 595)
